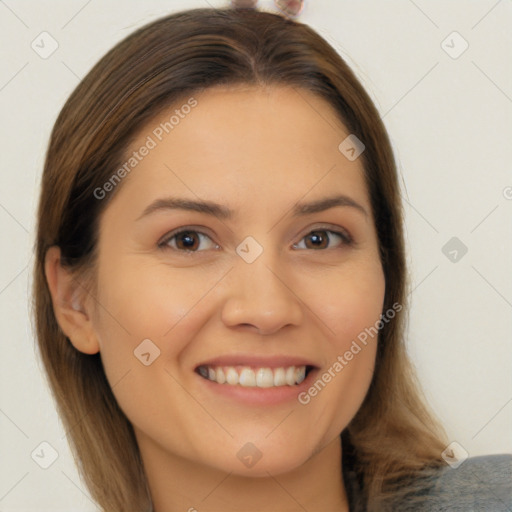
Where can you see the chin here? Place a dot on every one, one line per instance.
(250, 461)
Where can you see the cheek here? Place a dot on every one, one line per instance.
(352, 302)
(148, 300)
(351, 307)
(140, 301)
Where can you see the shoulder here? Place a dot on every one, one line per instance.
(478, 484)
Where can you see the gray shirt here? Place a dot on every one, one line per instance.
(479, 484)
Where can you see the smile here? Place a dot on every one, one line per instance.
(247, 376)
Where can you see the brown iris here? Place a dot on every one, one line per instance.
(190, 239)
(319, 238)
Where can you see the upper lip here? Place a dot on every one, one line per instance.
(257, 361)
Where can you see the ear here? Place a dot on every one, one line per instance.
(70, 302)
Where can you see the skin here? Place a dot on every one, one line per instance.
(257, 151)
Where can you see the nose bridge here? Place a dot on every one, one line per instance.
(260, 293)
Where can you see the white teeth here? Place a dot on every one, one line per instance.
(247, 378)
(232, 377)
(221, 378)
(254, 377)
(279, 377)
(290, 376)
(265, 378)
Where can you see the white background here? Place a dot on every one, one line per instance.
(450, 123)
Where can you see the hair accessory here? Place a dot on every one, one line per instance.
(291, 8)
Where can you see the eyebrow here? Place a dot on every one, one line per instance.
(222, 212)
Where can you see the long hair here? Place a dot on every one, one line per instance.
(393, 435)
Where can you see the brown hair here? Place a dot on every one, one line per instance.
(392, 436)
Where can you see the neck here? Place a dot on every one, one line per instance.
(182, 485)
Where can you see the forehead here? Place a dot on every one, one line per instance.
(235, 142)
(278, 118)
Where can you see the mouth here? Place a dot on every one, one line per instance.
(252, 376)
(255, 380)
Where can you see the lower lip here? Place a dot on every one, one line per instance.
(260, 396)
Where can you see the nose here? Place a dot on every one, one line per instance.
(261, 297)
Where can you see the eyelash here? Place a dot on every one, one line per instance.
(346, 239)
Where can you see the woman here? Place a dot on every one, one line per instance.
(220, 282)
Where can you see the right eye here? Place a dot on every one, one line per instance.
(186, 240)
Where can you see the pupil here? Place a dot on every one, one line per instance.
(317, 238)
(187, 239)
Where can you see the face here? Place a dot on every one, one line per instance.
(262, 284)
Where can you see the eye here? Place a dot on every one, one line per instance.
(187, 240)
(321, 239)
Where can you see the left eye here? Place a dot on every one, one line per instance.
(320, 239)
